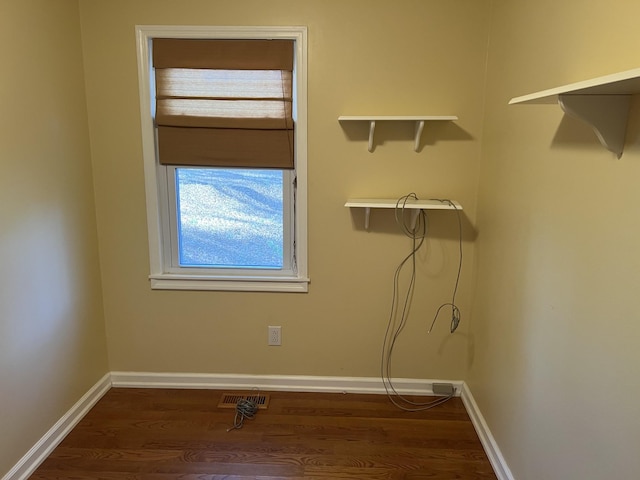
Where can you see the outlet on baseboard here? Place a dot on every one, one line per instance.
(445, 389)
(275, 336)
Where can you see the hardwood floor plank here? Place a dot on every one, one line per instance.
(148, 434)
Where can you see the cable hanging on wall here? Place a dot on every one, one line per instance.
(455, 311)
(399, 313)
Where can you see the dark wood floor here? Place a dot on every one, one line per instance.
(145, 434)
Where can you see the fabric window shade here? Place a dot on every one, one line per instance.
(224, 102)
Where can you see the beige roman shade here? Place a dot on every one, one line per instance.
(224, 102)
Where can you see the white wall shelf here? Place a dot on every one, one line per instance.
(419, 121)
(414, 205)
(603, 103)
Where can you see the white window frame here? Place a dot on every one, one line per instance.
(162, 275)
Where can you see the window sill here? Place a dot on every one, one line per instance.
(241, 284)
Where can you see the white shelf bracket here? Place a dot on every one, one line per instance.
(372, 130)
(606, 114)
(414, 218)
(419, 129)
(419, 124)
(367, 214)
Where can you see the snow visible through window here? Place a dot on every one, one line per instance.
(230, 218)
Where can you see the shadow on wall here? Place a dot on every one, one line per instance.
(574, 134)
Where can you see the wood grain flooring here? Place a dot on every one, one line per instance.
(162, 434)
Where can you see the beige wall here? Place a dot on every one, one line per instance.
(549, 314)
(52, 339)
(555, 322)
(365, 57)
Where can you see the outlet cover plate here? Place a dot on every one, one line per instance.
(275, 336)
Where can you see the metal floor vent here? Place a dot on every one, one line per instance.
(230, 400)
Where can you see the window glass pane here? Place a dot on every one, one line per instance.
(230, 218)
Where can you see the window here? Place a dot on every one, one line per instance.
(223, 113)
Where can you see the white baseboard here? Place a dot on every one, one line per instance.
(293, 383)
(489, 444)
(50, 440)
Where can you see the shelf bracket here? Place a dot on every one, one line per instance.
(606, 114)
(414, 217)
(419, 129)
(367, 214)
(372, 130)
(419, 124)
(418, 134)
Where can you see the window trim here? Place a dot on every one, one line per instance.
(155, 176)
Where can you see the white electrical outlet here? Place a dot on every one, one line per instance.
(275, 335)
